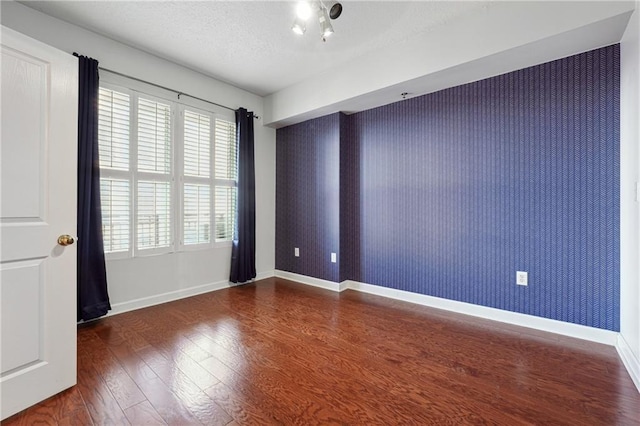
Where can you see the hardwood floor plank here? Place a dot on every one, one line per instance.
(121, 385)
(172, 410)
(277, 352)
(30, 418)
(65, 402)
(192, 396)
(101, 405)
(77, 418)
(283, 411)
(241, 408)
(267, 375)
(194, 371)
(144, 414)
(131, 362)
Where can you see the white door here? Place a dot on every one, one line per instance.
(37, 204)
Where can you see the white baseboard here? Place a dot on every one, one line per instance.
(315, 282)
(156, 299)
(264, 275)
(598, 335)
(631, 363)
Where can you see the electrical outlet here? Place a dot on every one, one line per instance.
(334, 258)
(522, 278)
(296, 252)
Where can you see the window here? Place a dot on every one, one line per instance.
(168, 174)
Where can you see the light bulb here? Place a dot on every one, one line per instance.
(303, 10)
(298, 26)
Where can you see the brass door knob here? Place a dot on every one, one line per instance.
(66, 240)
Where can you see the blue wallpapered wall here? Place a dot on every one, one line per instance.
(450, 193)
(350, 169)
(308, 197)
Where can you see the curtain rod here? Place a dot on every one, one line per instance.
(170, 90)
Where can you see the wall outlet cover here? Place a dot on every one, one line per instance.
(522, 278)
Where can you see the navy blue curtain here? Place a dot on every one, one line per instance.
(93, 299)
(243, 254)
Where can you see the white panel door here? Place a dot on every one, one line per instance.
(37, 204)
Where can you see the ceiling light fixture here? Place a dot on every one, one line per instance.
(304, 10)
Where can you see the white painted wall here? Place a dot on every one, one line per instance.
(629, 345)
(157, 278)
(504, 37)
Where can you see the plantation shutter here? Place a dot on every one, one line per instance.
(196, 218)
(154, 167)
(226, 172)
(113, 145)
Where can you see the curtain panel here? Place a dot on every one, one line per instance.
(243, 254)
(93, 298)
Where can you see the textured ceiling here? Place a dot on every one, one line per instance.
(249, 44)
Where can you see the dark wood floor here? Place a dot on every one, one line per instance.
(277, 352)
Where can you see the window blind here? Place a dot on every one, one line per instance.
(197, 214)
(197, 144)
(225, 163)
(114, 199)
(225, 203)
(154, 214)
(154, 136)
(113, 129)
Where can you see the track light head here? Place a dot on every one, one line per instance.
(299, 27)
(325, 25)
(336, 11)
